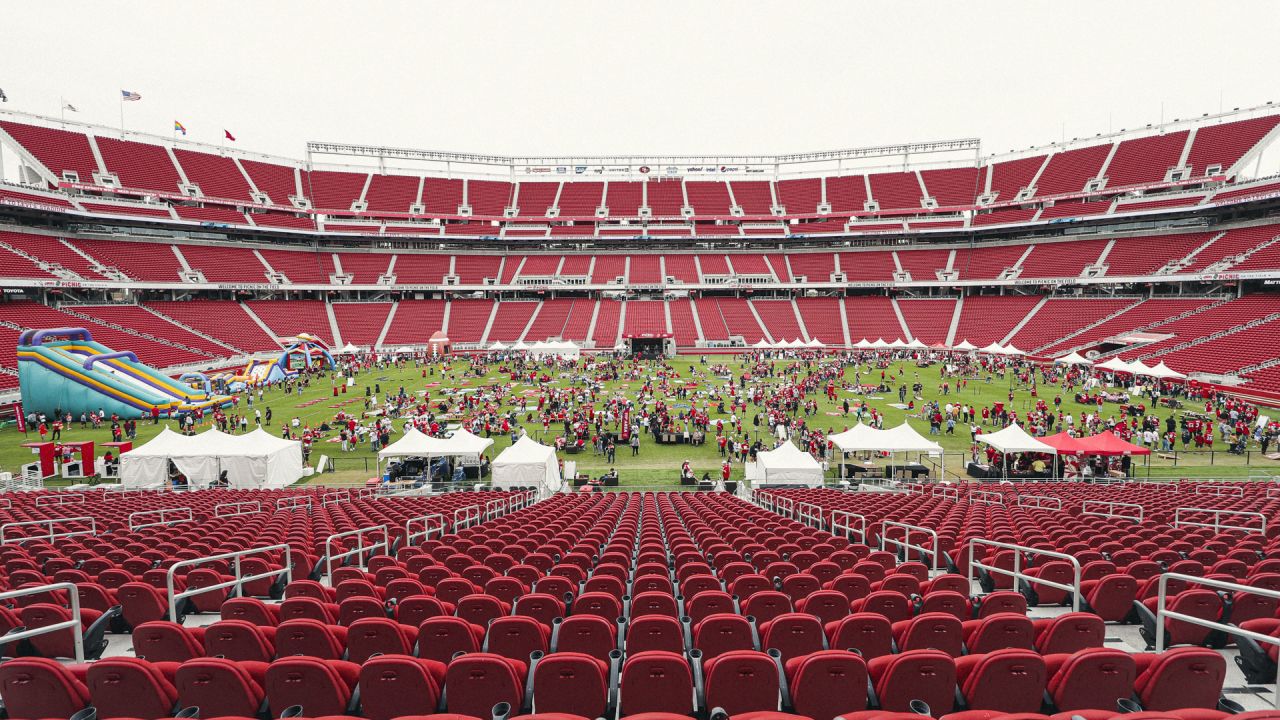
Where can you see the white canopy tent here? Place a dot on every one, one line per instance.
(863, 344)
(1164, 372)
(349, 349)
(1115, 364)
(788, 465)
(814, 343)
(903, 438)
(762, 344)
(1014, 439)
(527, 463)
(497, 346)
(257, 460)
(1011, 350)
(1137, 367)
(555, 347)
(915, 344)
(994, 348)
(520, 345)
(965, 346)
(1074, 358)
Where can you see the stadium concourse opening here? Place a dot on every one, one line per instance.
(650, 346)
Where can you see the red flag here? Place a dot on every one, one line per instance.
(230, 137)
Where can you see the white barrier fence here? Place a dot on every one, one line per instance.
(60, 499)
(232, 509)
(110, 494)
(986, 497)
(1218, 515)
(1111, 509)
(1221, 490)
(1163, 613)
(842, 520)
(1040, 502)
(947, 491)
(360, 550)
(163, 516)
(239, 578)
(431, 525)
(1017, 574)
(52, 524)
(297, 502)
(465, 517)
(334, 497)
(934, 553)
(810, 515)
(73, 623)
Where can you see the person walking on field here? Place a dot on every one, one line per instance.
(635, 444)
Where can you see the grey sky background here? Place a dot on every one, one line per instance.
(697, 76)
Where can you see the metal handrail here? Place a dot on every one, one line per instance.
(365, 492)
(1040, 502)
(465, 517)
(427, 528)
(73, 623)
(986, 497)
(916, 488)
(786, 506)
(1217, 524)
(847, 526)
(1220, 490)
(1273, 492)
(947, 491)
(295, 502)
(359, 550)
(765, 499)
(1110, 512)
(935, 552)
(1017, 574)
(809, 514)
(1155, 484)
(1163, 613)
(496, 508)
(239, 579)
(108, 493)
(161, 515)
(247, 507)
(74, 498)
(334, 497)
(50, 522)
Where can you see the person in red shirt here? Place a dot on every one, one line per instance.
(725, 471)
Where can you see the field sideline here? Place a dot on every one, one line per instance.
(658, 465)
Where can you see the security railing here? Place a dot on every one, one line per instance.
(496, 508)
(986, 497)
(60, 499)
(1221, 490)
(765, 499)
(431, 525)
(948, 491)
(465, 517)
(842, 520)
(359, 550)
(1155, 485)
(72, 623)
(296, 502)
(934, 553)
(1040, 502)
(238, 576)
(232, 509)
(1017, 574)
(334, 498)
(1218, 515)
(1112, 509)
(52, 524)
(809, 514)
(110, 494)
(786, 506)
(163, 516)
(1163, 613)
(1273, 492)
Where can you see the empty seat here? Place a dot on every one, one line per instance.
(826, 605)
(320, 687)
(869, 634)
(164, 641)
(939, 631)
(311, 638)
(517, 637)
(721, 633)
(250, 610)
(793, 635)
(1183, 677)
(393, 686)
(133, 688)
(478, 681)
(741, 681)
(34, 687)
(655, 682)
(1068, 633)
(379, 635)
(1091, 679)
(654, 632)
(586, 634)
(221, 687)
(239, 640)
(1203, 604)
(1002, 630)
(440, 638)
(571, 683)
(1009, 680)
(827, 684)
(766, 605)
(925, 675)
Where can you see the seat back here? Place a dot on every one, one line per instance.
(394, 686)
(867, 633)
(129, 687)
(654, 632)
(939, 631)
(1069, 633)
(1180, 678)
(164, 641)
(239, 640)
(1009, 680)
(34, 687)
(1002, 630)
(440, 638)
(321, 687)
(573, 683)
(587, 634)
(655, 681)
(221, 687)
(793, 635)
(925, 675)
(478, 681)
(516, 637)
(722, 633)
(741, 681)
(827, 684)
(311, 638)
(1091, 679)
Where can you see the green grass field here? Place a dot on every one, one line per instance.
(658, 465)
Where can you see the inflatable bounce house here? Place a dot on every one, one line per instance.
(304, 353)
(64, 369)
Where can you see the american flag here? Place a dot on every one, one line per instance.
(129, 96)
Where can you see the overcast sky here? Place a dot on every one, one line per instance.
(638, 77)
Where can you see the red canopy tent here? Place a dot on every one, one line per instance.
(1063, 443)
(1109, 444)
